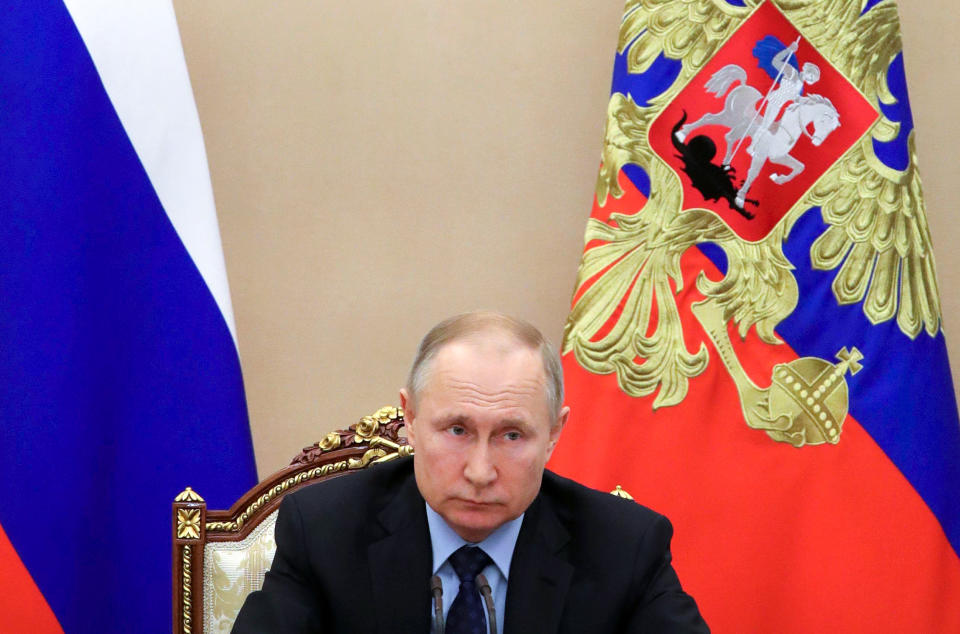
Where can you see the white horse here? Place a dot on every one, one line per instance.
(740, 117)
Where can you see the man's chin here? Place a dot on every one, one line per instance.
(476, 522)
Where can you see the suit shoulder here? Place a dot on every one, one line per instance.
(579, 503)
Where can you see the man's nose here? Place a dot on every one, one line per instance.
(480, 470)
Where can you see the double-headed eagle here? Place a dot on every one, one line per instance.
(625, 319)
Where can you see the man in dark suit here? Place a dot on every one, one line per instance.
(398, 547)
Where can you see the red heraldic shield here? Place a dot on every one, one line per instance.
(763, 129)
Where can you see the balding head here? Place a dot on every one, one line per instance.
(487, 326)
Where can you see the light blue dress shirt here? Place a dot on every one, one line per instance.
(498, 545)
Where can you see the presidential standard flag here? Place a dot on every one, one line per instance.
(119, 377)
(755, 345)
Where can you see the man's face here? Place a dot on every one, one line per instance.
(482, 433)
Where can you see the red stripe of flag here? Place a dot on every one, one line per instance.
(768, 537)
(22, 607)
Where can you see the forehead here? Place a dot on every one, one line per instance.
(490, 373)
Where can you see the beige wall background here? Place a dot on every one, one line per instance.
(379, 166)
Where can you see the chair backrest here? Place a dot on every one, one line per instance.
(219, 557)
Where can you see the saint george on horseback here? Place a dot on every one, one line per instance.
(774, 122)
(787, 88)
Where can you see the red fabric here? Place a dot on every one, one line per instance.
(768, 538)
(22, 607)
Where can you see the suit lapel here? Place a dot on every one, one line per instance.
(539, 573)
(402, 554)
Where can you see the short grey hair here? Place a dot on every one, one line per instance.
(467, 325)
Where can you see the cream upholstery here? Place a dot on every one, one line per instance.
(232, 570)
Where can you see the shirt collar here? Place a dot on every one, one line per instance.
(498, 545)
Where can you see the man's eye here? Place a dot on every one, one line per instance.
(512, 435)
(457, 430)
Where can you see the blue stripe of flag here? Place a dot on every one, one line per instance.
(119, 381)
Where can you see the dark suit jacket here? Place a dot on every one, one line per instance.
(354, 555)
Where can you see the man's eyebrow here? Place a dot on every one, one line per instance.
(462, 419)
(452, 419)
(515, 422)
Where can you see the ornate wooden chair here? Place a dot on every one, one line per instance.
(219, 557)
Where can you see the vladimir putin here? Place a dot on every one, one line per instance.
(471, 534)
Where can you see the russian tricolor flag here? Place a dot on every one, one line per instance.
(856, 531)
(120, 381)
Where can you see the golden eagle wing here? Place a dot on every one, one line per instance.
(878, 235)
(624, 319)
(687, 30)
(879, 239)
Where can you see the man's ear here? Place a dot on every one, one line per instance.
(557, 428)
(406, 403)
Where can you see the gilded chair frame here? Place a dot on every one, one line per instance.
(374, 439)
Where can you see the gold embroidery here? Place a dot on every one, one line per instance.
(879, 239)
(625, 320)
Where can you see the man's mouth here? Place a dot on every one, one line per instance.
(478, 503)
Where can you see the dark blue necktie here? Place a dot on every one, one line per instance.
(466, 615)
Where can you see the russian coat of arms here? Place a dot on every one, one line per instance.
(774, 111)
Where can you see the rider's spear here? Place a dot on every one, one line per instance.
(763, 102)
